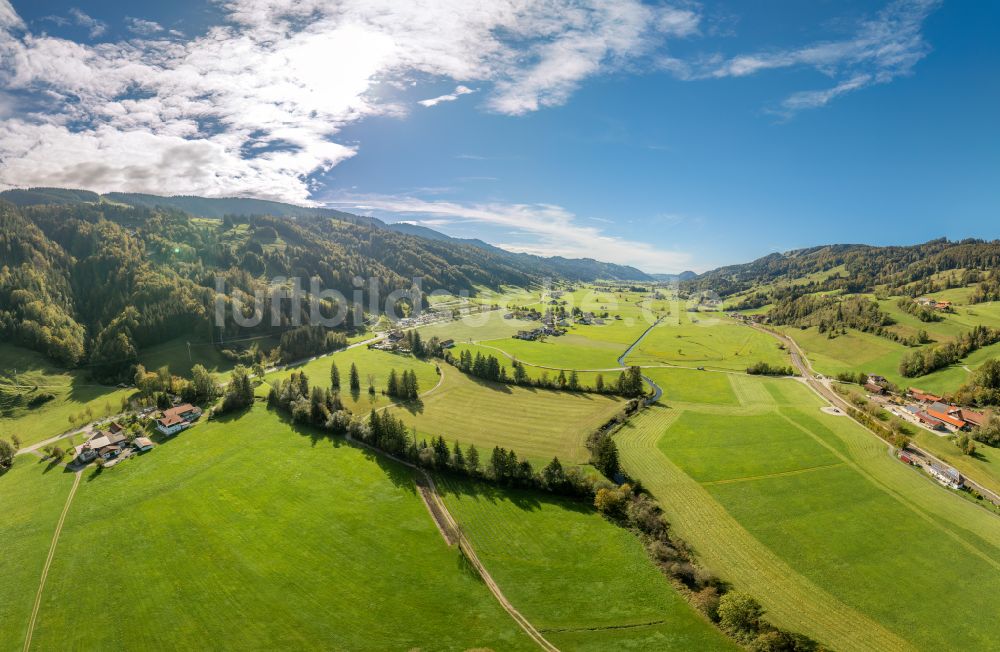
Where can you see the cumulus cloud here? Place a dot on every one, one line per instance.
(881, 49)
(254, 105)
(542, 229)
(449, 97)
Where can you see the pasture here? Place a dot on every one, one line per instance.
(77, 400)
(377, 364)
(32, 496)
(176, 355)
(812, 515)
(709, 340)
(585, 583)
(537, 423)
(262, 536)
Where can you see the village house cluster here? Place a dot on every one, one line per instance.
(110, 446)
(931, 411)
(115, 443)
(934, 304)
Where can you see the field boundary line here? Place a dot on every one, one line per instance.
(48, 560)
(780, 474)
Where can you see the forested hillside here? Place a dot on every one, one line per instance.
(90, 280)
(863, 268)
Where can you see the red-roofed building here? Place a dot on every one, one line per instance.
(922, 396)
(930, 421)
(950, 422)
(177, 418)
(972, 417)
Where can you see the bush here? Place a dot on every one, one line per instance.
(740, 614)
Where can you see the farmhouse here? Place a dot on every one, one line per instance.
(178, 418)
(922, 396)
(971, 417)
(101, 444)
(946, 414)
(946, 475)
(874, 388)
(929, 421)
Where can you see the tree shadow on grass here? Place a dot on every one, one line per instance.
(413, 406)
(489, 384)
(526, 499)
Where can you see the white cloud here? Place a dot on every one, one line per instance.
(541, 229)
(95, 27)
(881, 49)
(261, 98)
(8, 17)
(450, 97)
(142, 26)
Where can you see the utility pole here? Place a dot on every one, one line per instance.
(189, 352)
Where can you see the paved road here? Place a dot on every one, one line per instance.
(822, 388)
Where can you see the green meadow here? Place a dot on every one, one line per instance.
(254, 535)
(377, 364)
(709, 340)
(77, 400)
(813, 516)
(32, 495)
(181, 357)
(545, 550)
(857, 351)
(537, 423)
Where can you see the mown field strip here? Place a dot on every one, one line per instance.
(791, 600)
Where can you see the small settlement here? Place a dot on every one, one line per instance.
(112, 444)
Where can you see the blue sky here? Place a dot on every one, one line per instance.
(669, 136)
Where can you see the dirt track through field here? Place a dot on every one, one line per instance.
(48, 561)
(452, 533)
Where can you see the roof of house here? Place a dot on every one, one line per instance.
(928, 419)
(946, 471)
(973, 417)
(947, 418)
(96, 443)
(115, 427)
(115, 438)
(180, 410)
(873, 387)
(921, 395)
(143, 442)
(170, 420)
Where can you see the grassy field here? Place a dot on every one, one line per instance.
(538, 424)
(544, 549)
(368, 361)
(74, 393)
(857, 351)
(813, 516)
(32, 495)
(586, 378)
(708, 340)
(252, 535)
(175, 355)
